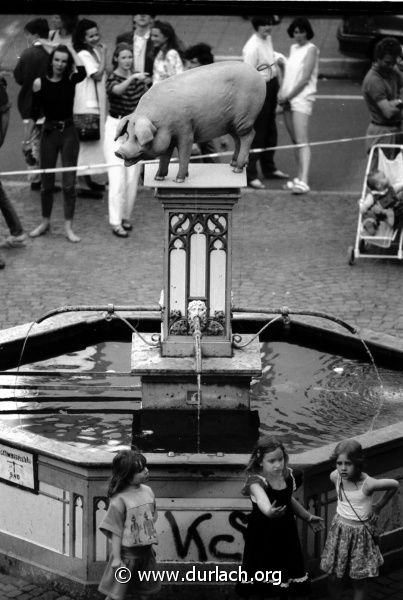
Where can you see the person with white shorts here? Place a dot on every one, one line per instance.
(297, 95)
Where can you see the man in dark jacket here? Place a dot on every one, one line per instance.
(32, 63)
(140, 40)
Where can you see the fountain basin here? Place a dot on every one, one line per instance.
(202, 514)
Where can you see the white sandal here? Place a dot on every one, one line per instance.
(300, 187)
(289, 186)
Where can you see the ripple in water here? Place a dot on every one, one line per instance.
(308, 397)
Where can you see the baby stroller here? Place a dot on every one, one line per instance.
(386, 241)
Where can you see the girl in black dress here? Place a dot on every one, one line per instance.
(273, 557)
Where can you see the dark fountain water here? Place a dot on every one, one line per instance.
(306, 396)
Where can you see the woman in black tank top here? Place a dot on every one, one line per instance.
(54, 95)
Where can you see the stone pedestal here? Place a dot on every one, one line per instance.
(196, 338)
(170, 382)
(197, 257)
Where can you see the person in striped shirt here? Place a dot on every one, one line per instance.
(124, 89)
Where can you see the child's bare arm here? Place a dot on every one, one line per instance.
(300, 511)
(389, 486)
(116, 541)
(366, 202)
(268, 508)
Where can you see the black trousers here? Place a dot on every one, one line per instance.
(53, 142)
(266, 133)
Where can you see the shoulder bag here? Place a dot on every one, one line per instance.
(88, 124)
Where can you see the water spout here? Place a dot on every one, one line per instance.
(197, 319)
(285, 312)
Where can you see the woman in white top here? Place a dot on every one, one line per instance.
(90, 94)
(167, 61)
(297, 95)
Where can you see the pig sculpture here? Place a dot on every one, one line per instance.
(194, 106)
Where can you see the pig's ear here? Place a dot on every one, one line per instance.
(121, 128)
(144, 131)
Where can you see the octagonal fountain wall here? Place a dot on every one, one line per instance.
(62, 422)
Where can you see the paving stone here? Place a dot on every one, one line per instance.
(50, 595)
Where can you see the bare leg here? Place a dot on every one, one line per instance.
(335, 588)
(300, 122)
(70, 235)
(360, 587)
(289, 123)
(41, 229)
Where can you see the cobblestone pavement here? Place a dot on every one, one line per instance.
(287, 250)
(387, 587)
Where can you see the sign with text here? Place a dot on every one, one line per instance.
(18, 467)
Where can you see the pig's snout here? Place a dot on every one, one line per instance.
(129, 158)
(119, 153)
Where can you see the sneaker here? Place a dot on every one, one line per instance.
(256, 184)
(277, 174)
(15, 241)
(119, 231)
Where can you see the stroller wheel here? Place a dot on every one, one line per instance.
(351, 255)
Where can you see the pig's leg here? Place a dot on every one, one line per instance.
(184, 152)
(245, 144)
(237, 145)
(164, 164)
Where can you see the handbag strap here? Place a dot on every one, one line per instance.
(96, 92)
(341, 488)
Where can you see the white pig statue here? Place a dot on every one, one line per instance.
(195, 106)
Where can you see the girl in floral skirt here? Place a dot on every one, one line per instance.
(351, 549)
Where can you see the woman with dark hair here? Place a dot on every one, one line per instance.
(167, 61)
(54, 94)
(90, 98)
(124, 90)
(297, 95)
(63, 27)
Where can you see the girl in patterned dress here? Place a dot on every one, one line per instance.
(351, 548)
(273, 560)
(129, 525)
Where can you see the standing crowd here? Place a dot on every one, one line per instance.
(74, 91)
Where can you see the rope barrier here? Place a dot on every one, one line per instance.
(193, 157)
